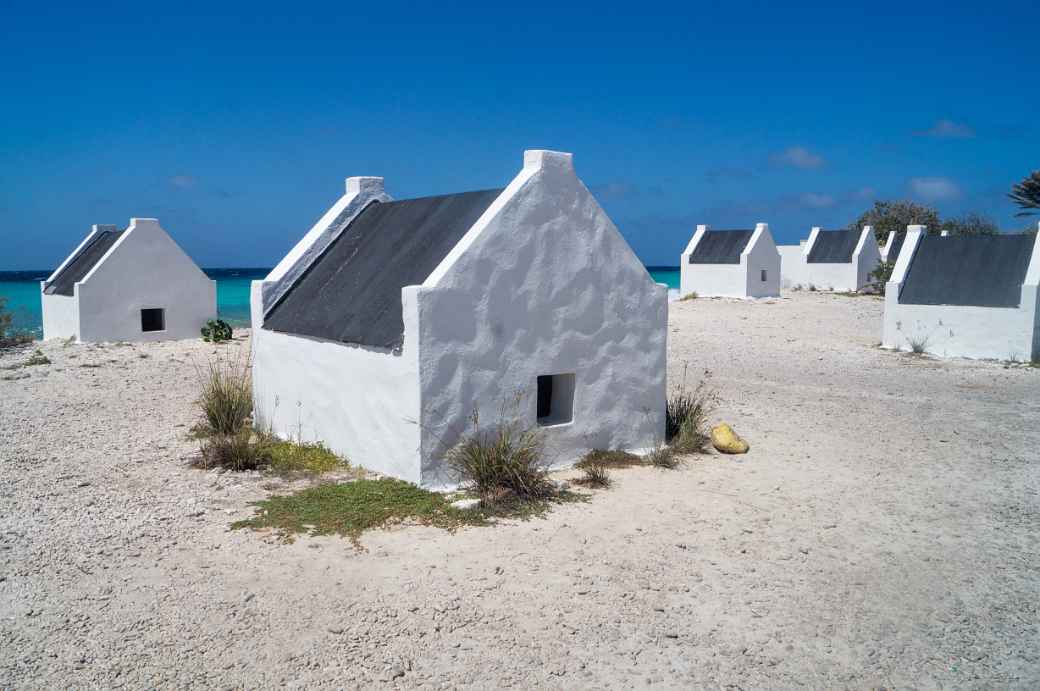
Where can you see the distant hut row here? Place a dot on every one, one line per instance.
(952, 296)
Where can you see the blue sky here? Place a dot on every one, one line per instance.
(236, 124)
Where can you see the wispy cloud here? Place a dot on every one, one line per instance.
(947, 129)
(934, 189)
(798, 157)
(813, 200)
(183, 182)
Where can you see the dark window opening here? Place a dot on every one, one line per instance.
(555, 399)
(153, 319)
(763, 275)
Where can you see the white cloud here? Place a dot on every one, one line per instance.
(934, 189)
(817, 201)
(183, 181)
(947, 129)
(799, 157)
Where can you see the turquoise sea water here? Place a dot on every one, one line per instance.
(22, 290)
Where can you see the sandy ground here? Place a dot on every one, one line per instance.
(884, 530)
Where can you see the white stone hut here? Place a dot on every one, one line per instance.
(839, 260)
(135, 284)
(393, 324)
(965, 296)
(730, 263)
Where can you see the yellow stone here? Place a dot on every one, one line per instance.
(726, 440)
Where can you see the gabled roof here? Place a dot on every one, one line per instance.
(982, 271)
(83, 262)
(720, 246)
(897, 244)
(834, 246)
(352, 291)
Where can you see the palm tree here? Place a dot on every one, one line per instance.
(1027, 194)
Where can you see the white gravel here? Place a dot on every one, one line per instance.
(884, 530)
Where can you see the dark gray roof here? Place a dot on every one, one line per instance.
(352, 291)
(834, 247)
(83, 262)
(897, 244)
(983, 271)
(720, 247)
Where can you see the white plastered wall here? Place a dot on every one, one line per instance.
(542, 284)
(359, 193)
(60, 315)
(362, 403)
(1002, 333)
(144, 269)
(846, 276)
(792, 266)
(743, 280)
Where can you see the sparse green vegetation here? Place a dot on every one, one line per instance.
(36, 359)
(689, 296)
(612, 458)
(351, 508)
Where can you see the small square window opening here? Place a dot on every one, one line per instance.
(153, 319)
(555, 399)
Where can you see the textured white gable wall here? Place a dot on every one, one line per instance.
(362, 403)
(542, 284)
(360, 191)
(761, 254)
(1000, 333)
(144, 268)
(686, 278)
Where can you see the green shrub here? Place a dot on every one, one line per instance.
(227, 397)
(881, 276)
(689, 296)
(216, 331)
(503, 463)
